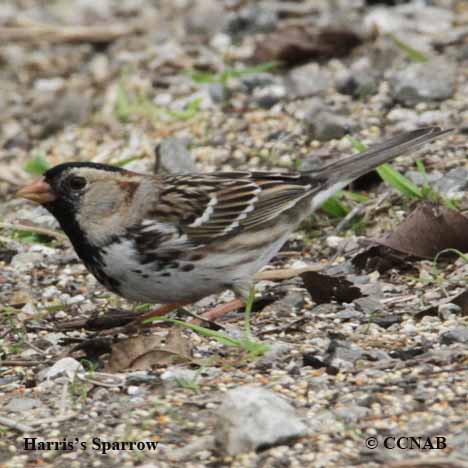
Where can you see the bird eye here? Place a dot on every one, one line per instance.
(76, 182)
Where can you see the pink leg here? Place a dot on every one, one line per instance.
(221, 310)
(159, 312)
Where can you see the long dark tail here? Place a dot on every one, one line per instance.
(339, 174)
(358, 165)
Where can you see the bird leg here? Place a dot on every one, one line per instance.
(138, 322)
(210, 315)
(158, 312)
(221, 310)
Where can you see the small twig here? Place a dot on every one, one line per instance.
(290, 326)
(395, 300)
(101, 384)
(17, 426)
(36, 229)
(53, 33)
(35, 348)
(21, 363)
(63, 403)
(357, 210)
(48, 421)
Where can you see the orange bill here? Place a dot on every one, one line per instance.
(39, 192)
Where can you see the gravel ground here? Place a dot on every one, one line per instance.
(225, 85)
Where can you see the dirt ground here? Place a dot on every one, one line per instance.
(369, 357)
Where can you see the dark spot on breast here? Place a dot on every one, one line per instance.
(187, 267)
(138, 272)
(149, 258)
(145, 275)
(166, 274)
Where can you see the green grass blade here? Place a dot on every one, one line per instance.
(357, 144)
(412, 53)
(334, 207)
(391, 175)
(221, 337)
(399, 181)
(37, 166)
(355, 196)
(123, 106)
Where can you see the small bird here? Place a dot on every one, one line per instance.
(174, 239)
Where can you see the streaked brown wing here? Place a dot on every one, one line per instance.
(224, 203)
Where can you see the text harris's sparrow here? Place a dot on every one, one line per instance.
(175, 239)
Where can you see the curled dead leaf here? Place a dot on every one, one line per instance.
(296, 44)
(146, 352)
(461, 300)
(324, 288)
(428, 230)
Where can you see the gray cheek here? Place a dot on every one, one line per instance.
(106, 205)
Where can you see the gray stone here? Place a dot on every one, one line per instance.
(343, 351)
(359, 81)
(377, 355)
(324, 125)
(447, 310)
(73, 108)
(277, 351)
(250, 418)
(251, 19)
(294, 299)
(38, 216)
(352, 412)
(257, 80)
(367, 304)
(174, 156)
(175, 376)
(460, 442)
(349, 314)
(422, 82)
(20, 405)
(205, 18)
(308, 80)
(420, 179)
(218, 92)
(457, 335)
(188, 451)
(67, 367)
(455, 181)
(26, 258)
(267, 97)
(409, 16)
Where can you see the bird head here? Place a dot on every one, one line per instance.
(89, 196)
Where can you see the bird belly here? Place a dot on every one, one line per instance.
(193, 275)
(155, 282)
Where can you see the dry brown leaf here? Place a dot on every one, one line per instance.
(324, 288)
(146, 352)
(461, 300)
(380, 258)
(297, 44)
(428, 230)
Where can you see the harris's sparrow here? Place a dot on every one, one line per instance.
(175, 239)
